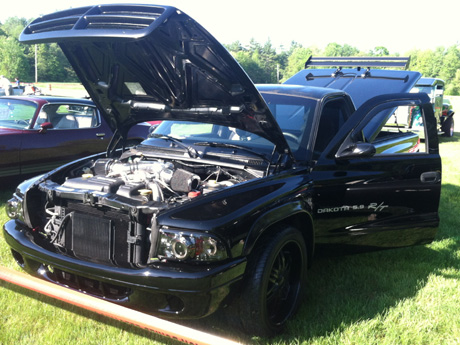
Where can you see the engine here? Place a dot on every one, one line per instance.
(152, 180)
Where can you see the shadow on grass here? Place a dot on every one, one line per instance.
(346, 290)
(454, 139)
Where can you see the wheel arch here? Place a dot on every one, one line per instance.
(293, 214)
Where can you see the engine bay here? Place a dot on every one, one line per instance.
(153, 180)
(115, 202)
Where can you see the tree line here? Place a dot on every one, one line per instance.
(264, 63)
(17, 60)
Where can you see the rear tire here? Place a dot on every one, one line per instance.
(274, 282)
(448, 127)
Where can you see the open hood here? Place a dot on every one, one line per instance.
(147, 62)
(362, 82)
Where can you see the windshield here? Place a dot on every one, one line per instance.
(197, 133)
(16, 114)
(294, 116)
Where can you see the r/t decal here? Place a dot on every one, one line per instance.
(377, 208)
(374, 206)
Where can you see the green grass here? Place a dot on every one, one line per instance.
(63, 89)
(56, 85)
(402, 296)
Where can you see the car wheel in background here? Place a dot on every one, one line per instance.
(448, 127)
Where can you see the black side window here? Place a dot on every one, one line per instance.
(333, 116)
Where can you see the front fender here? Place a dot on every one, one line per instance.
(296, 213)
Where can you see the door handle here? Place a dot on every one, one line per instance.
(430, 177)
(100, 135)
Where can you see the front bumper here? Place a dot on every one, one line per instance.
(168, 290)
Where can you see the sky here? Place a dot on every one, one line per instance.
(398, 25)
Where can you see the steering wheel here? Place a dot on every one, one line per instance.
(22, 122)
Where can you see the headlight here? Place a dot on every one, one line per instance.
(187, 246)
(14, 208)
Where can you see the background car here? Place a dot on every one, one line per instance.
(442, 108)
(38, 134)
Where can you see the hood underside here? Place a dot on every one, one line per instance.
(147, 62)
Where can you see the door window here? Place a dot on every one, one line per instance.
(397, 130)
(16, 113)
(333, 116)
(68, 116)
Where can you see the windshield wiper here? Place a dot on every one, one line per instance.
(190, 150)
(232, 146)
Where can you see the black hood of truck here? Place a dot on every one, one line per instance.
(147, 62)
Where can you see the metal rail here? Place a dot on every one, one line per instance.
(156, 325)
(363, 62)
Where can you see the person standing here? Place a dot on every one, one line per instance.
(6, 85)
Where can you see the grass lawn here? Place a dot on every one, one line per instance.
(63, 89)
(402, 296)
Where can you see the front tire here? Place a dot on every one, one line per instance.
(274, 282)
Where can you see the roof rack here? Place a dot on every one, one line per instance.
(359, 62)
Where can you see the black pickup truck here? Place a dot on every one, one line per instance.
(228, 199)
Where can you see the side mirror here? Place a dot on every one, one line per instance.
(357, 150)
(45, 126)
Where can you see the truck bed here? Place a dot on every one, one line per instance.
(391, 141)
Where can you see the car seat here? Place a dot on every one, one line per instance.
(67, 122)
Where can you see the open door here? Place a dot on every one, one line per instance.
(378, 182)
